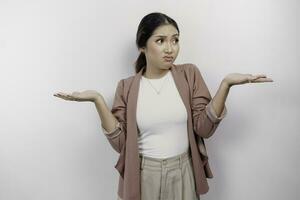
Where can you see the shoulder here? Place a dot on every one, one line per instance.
(192, 73)
(187, 67)
(190, 70)
(126, 82)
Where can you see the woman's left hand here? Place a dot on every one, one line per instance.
(237, 79)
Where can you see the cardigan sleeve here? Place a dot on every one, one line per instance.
(117, 136)
(205, 120)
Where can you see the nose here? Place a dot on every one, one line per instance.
(168, 48)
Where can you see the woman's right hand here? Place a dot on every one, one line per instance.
(87, 95)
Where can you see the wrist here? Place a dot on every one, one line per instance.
(98, 99)
(225, 84)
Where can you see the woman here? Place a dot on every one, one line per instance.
(164, 99)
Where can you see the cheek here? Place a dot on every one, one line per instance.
(156, 50)
(177, 48)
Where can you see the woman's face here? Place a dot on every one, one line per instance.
(163, 42)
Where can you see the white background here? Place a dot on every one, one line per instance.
(55, 149)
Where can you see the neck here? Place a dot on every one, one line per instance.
(154, 73)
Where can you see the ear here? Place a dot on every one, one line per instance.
(142, 49)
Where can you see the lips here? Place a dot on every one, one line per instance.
(168, 58)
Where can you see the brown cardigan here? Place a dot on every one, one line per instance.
(202, 123)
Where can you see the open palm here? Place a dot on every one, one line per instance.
(237, 78)
(87, 95)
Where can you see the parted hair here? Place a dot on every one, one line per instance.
(146, 28)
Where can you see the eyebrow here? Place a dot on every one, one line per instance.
(165, 36)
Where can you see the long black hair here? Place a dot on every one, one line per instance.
(146, 27)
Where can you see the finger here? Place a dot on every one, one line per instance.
(62, 97)
(58, 95)
(70, 97)
(255, 77)
(65, 96)
(264, 79)
(261, 80)
(61, 94)
(260, 76)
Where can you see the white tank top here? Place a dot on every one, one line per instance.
(161, 118)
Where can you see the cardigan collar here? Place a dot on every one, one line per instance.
(131, 174)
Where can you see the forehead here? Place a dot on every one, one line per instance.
(165, 30)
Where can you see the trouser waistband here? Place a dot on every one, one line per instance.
(165, 162)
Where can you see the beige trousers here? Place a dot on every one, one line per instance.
(168, 179)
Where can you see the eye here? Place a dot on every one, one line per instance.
(159, 40)
(176, 40)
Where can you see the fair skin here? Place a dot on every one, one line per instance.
(163, 42)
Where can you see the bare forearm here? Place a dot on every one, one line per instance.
(218, 101)
(108, 120)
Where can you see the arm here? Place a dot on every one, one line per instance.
(218, 101)
(113, 122)
(207, 112)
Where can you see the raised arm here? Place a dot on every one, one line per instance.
(205, 123)
(205, 117)
(113, 122)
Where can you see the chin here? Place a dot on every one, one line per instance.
(168, 63)
(168, 66)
